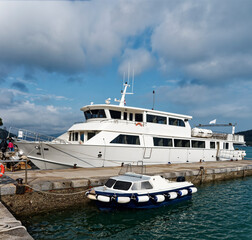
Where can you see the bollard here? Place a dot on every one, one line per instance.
(19, 180)
(202, 171)
(20, 188)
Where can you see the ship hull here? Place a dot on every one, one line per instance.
(59, 156)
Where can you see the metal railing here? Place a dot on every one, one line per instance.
(27, 135)
(140, 168)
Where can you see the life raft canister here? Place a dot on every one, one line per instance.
(2, 170)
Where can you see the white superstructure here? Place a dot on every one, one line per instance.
(113, 135)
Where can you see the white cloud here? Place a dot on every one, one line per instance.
(231, 101)
(69, 36)
(39, 118)
(139, 60)
(52, 109)
(17, 112)
(199, 39)
(205, 40)
(203, 45)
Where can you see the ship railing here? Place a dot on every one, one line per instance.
(140, 168)
(128, 122)
(27, 135)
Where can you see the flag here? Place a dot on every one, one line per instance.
(213, 121)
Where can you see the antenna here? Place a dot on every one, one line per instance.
(123, 80)
(153, 100)
(133, 78)
(128, 72)
(125, 86)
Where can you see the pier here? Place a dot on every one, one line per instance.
(10, 228)
(48, 190)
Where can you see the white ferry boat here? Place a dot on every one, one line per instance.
(133, 190)
(113, 135)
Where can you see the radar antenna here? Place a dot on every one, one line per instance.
(125, 86)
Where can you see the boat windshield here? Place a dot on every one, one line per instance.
(110, 183)
(121, 185)
(95, 113)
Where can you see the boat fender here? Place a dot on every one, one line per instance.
(91, 196)
(192, 190)
(102, 198)
(123, 199)
(182, 192)
(143, 198)
(2, 170)
(172, 195)
(159, 198)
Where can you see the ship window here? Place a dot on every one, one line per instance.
(181, 143)
(146, 185)
(115, 114)
(131, 117)
(95, 113)
(110, 183)
(69, 139)
(121, 185)
(125, 116)
(90, 135)
(198, 144)
(138, 117)
(76, 136)
(165, 142)
(225, 145)
(156, 119)
(126, 139)
(176, 122)
(212, 145)
(136, 186)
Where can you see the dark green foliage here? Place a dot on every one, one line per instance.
(248, 136)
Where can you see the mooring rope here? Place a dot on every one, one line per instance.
(59, 194)
(8, 223)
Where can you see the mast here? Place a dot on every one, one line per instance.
(124, 92)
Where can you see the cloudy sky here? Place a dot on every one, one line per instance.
(57, 56)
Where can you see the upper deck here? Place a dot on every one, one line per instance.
(133, 120)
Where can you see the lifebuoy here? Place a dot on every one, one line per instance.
(139, 124)
(2, 170)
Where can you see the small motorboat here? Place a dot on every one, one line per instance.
(133, 190)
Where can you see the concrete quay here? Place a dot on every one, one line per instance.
(58, 189)
(10, 228)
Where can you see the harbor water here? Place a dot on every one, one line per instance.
(220, 210)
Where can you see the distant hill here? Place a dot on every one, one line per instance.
(56, 134)
(247, 136)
